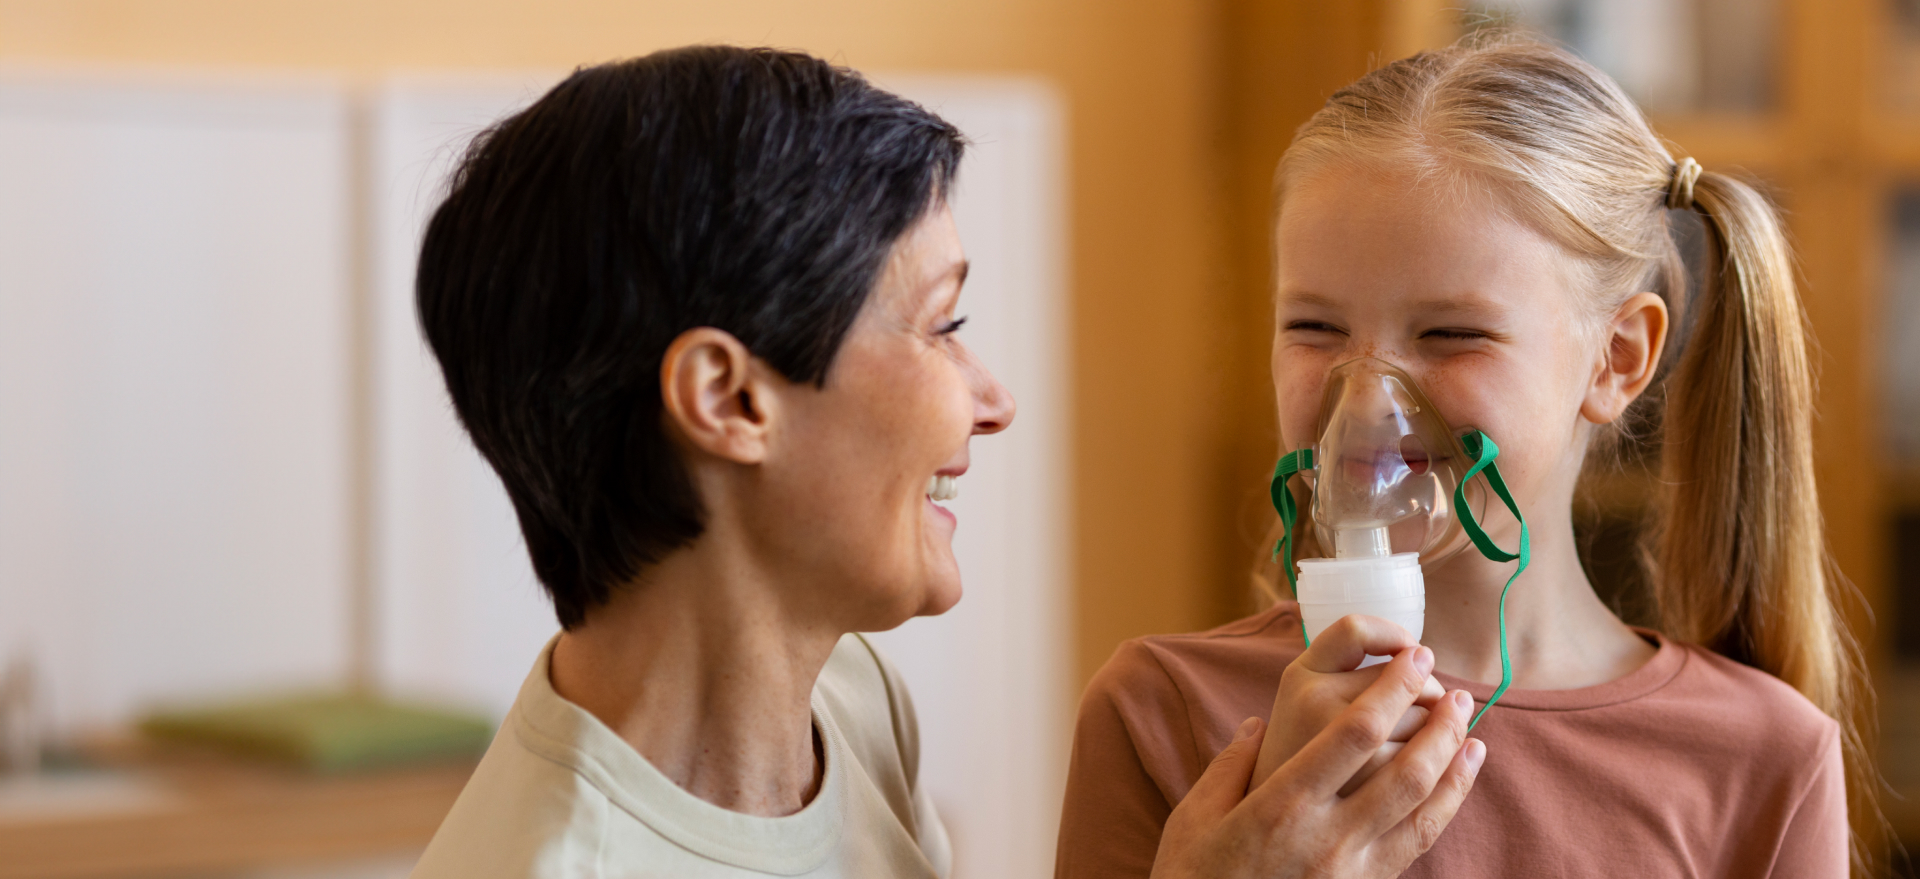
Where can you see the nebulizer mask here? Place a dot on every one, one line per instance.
(1392, 488)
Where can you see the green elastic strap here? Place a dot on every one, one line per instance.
(1483, 451)
(1291, 463)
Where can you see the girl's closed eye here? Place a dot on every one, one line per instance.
(950, 327)
(1455, 334)
(1313, 326)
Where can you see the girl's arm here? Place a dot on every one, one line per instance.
(1115, 808)
(1816, 838)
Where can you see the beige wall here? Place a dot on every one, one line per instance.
(1151, 286)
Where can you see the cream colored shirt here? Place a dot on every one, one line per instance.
(558, 794)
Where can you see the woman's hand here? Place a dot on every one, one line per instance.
(1325, 679)
(1298, 823)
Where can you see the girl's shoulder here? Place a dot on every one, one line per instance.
(1745, 701)
(1173, 701)
(1205, 667)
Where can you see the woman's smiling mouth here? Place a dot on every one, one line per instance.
(941, 487)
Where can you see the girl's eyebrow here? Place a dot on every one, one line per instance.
(1310, 299)
(1469, 304)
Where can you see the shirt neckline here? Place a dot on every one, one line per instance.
(552, 727)
(1668, 659)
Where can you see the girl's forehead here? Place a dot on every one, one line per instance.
(1360, 231)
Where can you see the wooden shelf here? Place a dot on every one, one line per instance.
(173, 813)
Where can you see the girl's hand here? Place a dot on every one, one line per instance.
(1325, 679)
(1298, 824)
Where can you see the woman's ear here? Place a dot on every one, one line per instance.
(1636, 335)
(715, 395)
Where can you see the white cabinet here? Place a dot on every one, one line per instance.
(174, 470)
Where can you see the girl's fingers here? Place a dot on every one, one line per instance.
(1333, 755)
(1411, 722)
(1224, 784)
(1353, 638)
(1421, 829)
(1430, 693)
(1380, 758)
(1403, 784)
(1338, 651)
(1348, 686)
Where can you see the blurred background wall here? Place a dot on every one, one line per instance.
(1140, 81)
(1175, 112)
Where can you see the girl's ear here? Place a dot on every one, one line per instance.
(1636, 335)
(716, 397)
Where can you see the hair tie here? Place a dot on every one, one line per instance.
(1680, 191)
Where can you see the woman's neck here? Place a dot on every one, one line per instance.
(702, 671)
(1560, 635)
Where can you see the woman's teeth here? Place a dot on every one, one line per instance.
(943, 488)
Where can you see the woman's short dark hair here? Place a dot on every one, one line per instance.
(752, 190)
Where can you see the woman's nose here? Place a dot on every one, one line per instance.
(993, 405)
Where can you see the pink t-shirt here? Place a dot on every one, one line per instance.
(1693, 765)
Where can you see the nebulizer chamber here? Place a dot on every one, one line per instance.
(1383, 475)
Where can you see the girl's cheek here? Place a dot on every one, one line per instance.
(1303, 365)
(1297, 389)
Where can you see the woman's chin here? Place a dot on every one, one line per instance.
(933, 599)
(940, 598)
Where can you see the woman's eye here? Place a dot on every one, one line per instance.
(950, 327)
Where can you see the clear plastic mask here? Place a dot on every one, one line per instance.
(1386, 468)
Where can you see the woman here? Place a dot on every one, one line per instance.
(699, 312)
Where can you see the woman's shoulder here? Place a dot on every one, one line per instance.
(857, 664)
(867, 699)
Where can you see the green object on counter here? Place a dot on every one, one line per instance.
(329, 733)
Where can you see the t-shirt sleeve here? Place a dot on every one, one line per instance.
(1130, 747)
(1816, 838)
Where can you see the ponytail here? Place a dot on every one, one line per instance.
(1741, 566)
(1740, 558)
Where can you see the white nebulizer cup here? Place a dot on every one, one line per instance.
(1388, 587)
(1384, 473)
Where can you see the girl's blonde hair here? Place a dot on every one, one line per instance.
(1736, 555)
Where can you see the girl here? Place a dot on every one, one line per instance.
(1497, 220)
